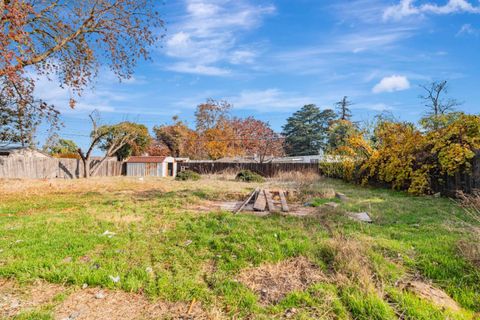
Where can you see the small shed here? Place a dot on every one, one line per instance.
(151, 166)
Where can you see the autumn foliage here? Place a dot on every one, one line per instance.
(217, 135)
(67, 42)
(406, 158)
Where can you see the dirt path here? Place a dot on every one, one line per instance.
(92, 303)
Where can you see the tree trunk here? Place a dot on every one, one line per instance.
(86, 168)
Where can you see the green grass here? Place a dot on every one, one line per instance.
(318, 202)
(163, 250)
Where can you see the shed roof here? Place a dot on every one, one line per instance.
(146, 159)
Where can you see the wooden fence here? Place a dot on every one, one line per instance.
(48, 168)
(265, 169)
(468, 182)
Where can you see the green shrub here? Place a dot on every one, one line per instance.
(187, 175)
(249, 176)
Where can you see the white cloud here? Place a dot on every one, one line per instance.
(208, 35)
(407, 8)
(391, 84)
(185, 67)
(468, 29)
(268, 100)
(243, 57)
(379, 107)
(104, 96)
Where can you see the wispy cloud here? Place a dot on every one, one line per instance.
(391, 84)
(205, 40)
(106, 94)
(378, 107)
(269, 99)
(407, 8)
(207, 70)
(468, 29)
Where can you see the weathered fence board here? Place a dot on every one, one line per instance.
(49, 168)
(265, 169)
(468, 182)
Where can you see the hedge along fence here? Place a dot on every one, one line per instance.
(264, 169)
(450, 185)
(49, 168)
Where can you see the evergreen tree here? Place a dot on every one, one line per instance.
(344, 112)
(306, 130)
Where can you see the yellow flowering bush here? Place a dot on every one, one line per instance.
(406, 158)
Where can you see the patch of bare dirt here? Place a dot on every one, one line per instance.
(272, 282)
(429, 292)
(15, 298)
(296, 210)
(95, 303)
(212, 206)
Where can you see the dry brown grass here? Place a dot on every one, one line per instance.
(225, 175)
(471, 205)
(470, 250)
(272, 282)
(15, 298)
(297, 178)
(13, 189)
(93, 303)
(348, 262)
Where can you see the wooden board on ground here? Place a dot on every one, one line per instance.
(268, 196)
(261, 202)
(283, 200)
(257, 190)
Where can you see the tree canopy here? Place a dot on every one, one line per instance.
(66, 41)
(306, 131)
(63, 148)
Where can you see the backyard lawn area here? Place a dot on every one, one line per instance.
(130, 248)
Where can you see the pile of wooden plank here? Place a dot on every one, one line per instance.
(264, 200)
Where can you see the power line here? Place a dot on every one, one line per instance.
(198, 140)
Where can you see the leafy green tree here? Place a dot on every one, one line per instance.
(111, 139)
(433, 122)
(63, 147)
(339, 133)
(136, 138)
(306, 130)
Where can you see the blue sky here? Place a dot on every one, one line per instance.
(269, 58)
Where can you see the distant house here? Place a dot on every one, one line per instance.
(21, 153)
(151, 166)
(308, 159)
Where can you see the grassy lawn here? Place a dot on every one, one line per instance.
(147, 237)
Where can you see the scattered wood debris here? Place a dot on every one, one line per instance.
(250, 197)
(264, 200)
(360, 216)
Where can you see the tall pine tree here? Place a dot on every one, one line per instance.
(344, 112)
(306, 130)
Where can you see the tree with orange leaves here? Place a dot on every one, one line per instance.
(256, 137)
(66, 41)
